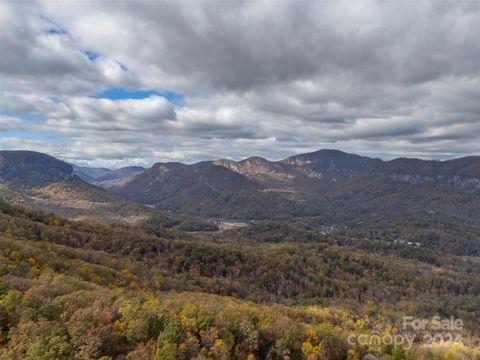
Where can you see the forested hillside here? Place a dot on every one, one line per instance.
(86, 290)
(39, 181)
(433, 203)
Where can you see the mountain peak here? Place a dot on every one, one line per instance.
(256, 160)
(32, 168)
(330, 159)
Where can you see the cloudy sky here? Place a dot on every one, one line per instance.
(115, 83)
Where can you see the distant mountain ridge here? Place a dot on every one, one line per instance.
(432, 203)
(105, 177)
(32, 168)
(463, 172)
(164, 180)
(335, 160)
(347, 193)
(42, 182)
(89, 173)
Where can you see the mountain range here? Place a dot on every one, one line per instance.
(42, 182)
(319, 247)
(301, 185)
(428, 203)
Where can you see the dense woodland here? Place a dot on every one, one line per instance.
(85, 290)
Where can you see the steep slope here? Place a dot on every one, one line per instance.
(204, 189)
(342, 184)
(42, 182)
(434, 204)
(32, 169)
(337, 163)
(352, 194)
(257, 169)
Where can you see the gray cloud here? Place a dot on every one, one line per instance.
(259, 77)
(39, 58)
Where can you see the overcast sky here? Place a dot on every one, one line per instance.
(113, 83)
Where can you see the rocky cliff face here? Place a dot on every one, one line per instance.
(333, 164)
(326, 183)
(461, 173)
(257, 168)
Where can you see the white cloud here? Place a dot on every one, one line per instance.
(8, 123)
(265, 77)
